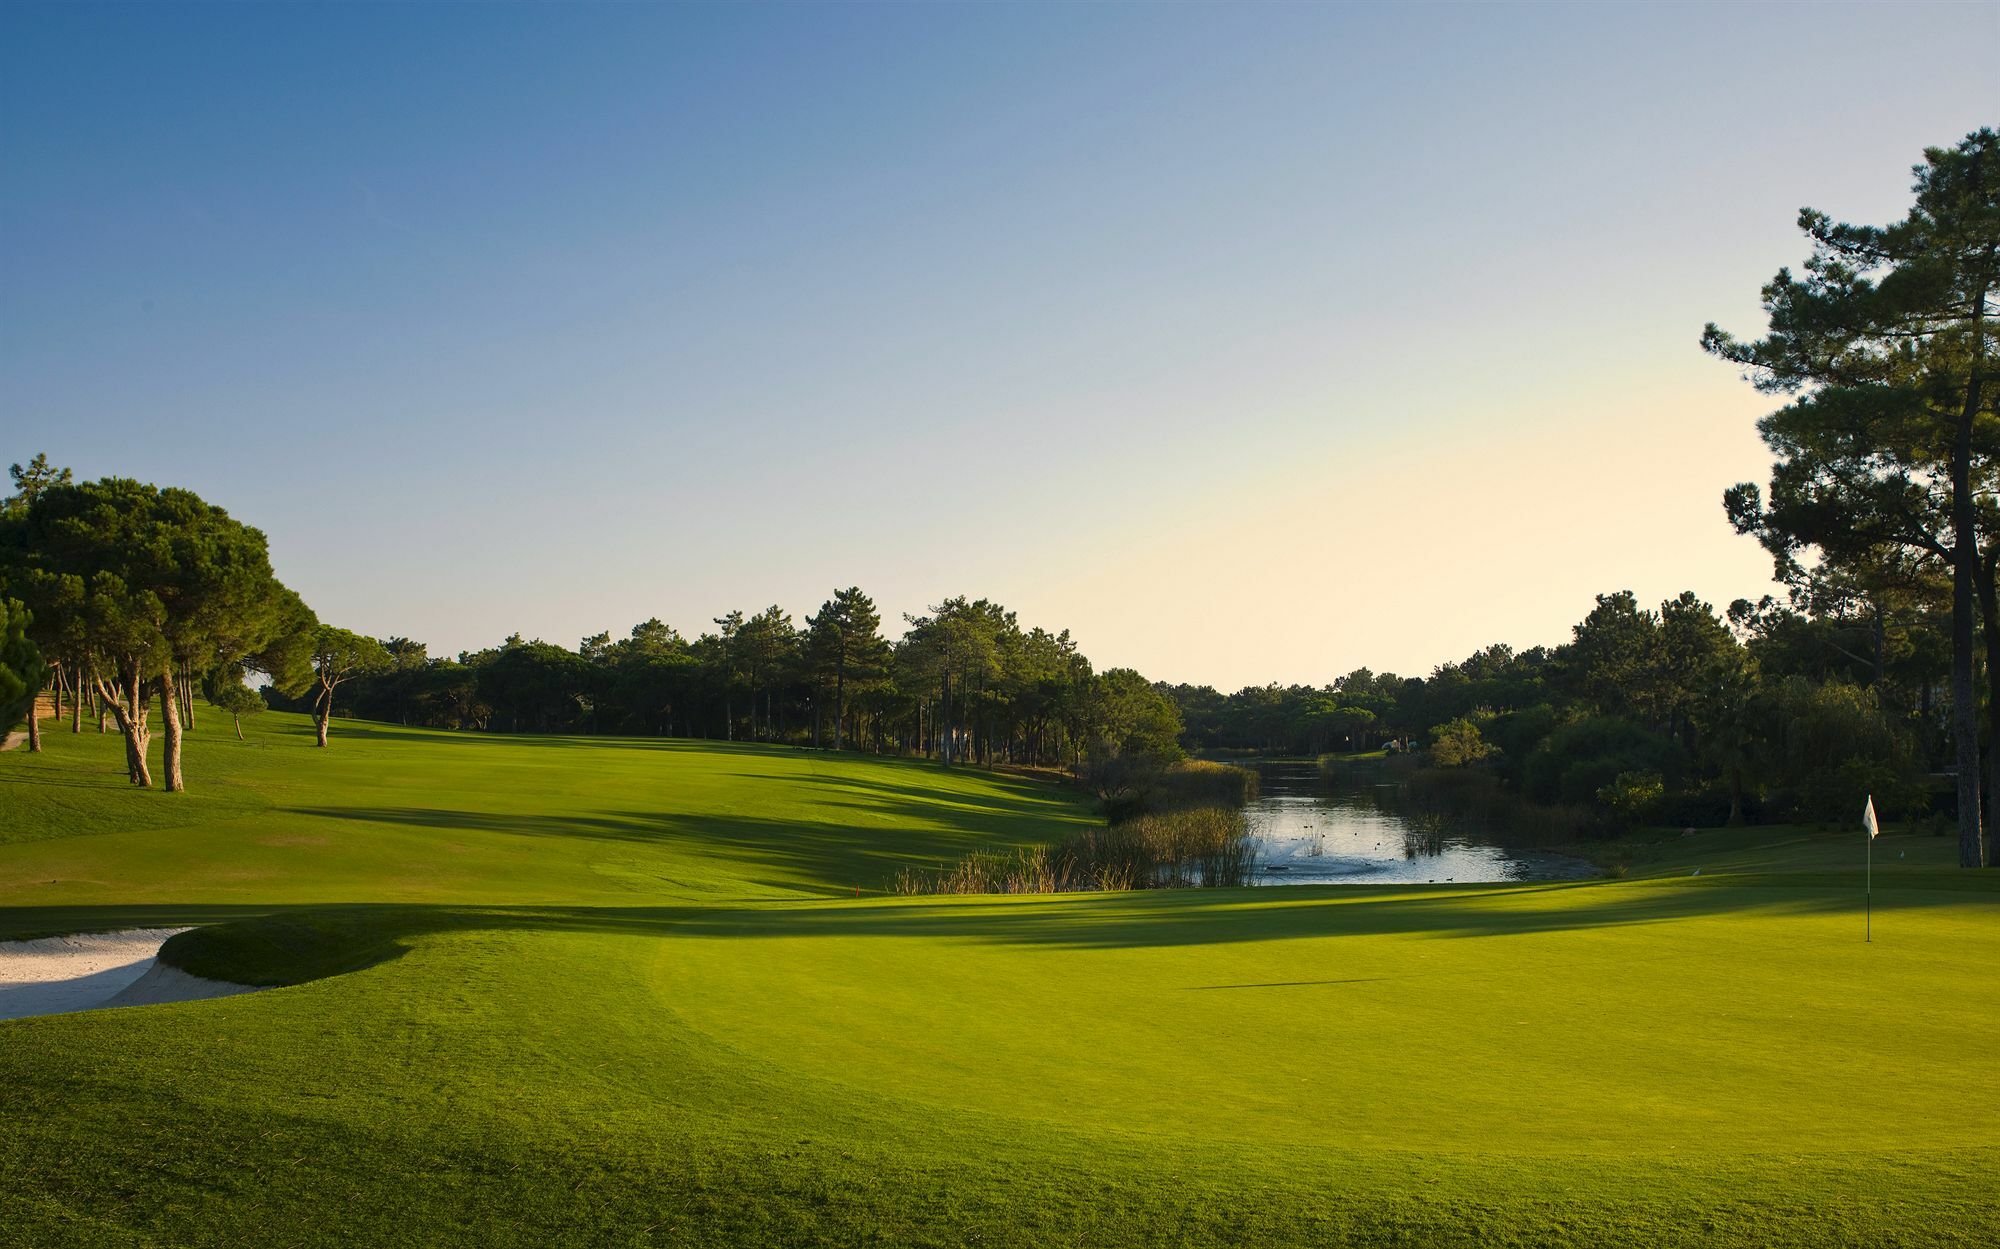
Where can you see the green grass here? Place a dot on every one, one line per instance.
(554, 991)
(1790, 851)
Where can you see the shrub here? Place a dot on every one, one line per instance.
(1517, 733)
(1456, 743)
(1705, 806)
(1632, 797)
(1581, 759)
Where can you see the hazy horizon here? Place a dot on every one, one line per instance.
(1249, 345)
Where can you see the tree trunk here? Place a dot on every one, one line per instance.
(170, 715)
(76, 707)
(128, 706)
(1964, 698)
(1989, 605)
(237, 720)
(323, 716)
(839, 698)
(141, 735)
(1969, 851)
(35, 721)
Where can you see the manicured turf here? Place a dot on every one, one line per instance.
(606, 992)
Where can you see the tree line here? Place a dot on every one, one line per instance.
(1882, 518)
(1681, 715)
(1876, 671)
(963, 683)
(122, 597)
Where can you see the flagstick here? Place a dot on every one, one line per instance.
(1872, 827)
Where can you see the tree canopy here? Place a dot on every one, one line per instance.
(338, 655)
(1884, 344)
(146, 589)
(21, 668)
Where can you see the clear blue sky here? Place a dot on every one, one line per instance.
(1251, 342)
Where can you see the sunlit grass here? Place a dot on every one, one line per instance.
(546, 991)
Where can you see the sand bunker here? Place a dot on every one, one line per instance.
(83, 972)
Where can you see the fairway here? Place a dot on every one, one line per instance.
(723, 626)
(637, 992)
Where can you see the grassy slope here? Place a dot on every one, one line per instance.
(622, 993)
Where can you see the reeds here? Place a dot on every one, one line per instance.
(1129, 789)
(1204, 847)
(1201, 783)
(1195, 847)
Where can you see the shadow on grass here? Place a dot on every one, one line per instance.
(287, 945)
(918, 788)
(830, 857)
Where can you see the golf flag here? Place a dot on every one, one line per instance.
(1868, 885)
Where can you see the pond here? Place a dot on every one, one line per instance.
(1312, 832)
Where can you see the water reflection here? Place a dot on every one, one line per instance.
(1311, 833)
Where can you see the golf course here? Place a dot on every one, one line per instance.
(982, 625)
(567, 990)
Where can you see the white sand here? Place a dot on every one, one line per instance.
(83, 972)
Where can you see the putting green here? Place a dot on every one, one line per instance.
(560, 991)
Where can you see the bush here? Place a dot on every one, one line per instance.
(1582, 759)
(1705, 806)
(1632, 797)
(1456, 743)
(1517, 734)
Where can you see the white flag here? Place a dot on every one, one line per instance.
(1868, 819)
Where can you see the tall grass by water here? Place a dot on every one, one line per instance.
(1190, 848)
(1203, 783)
(1174, 827)
(1128, 790)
